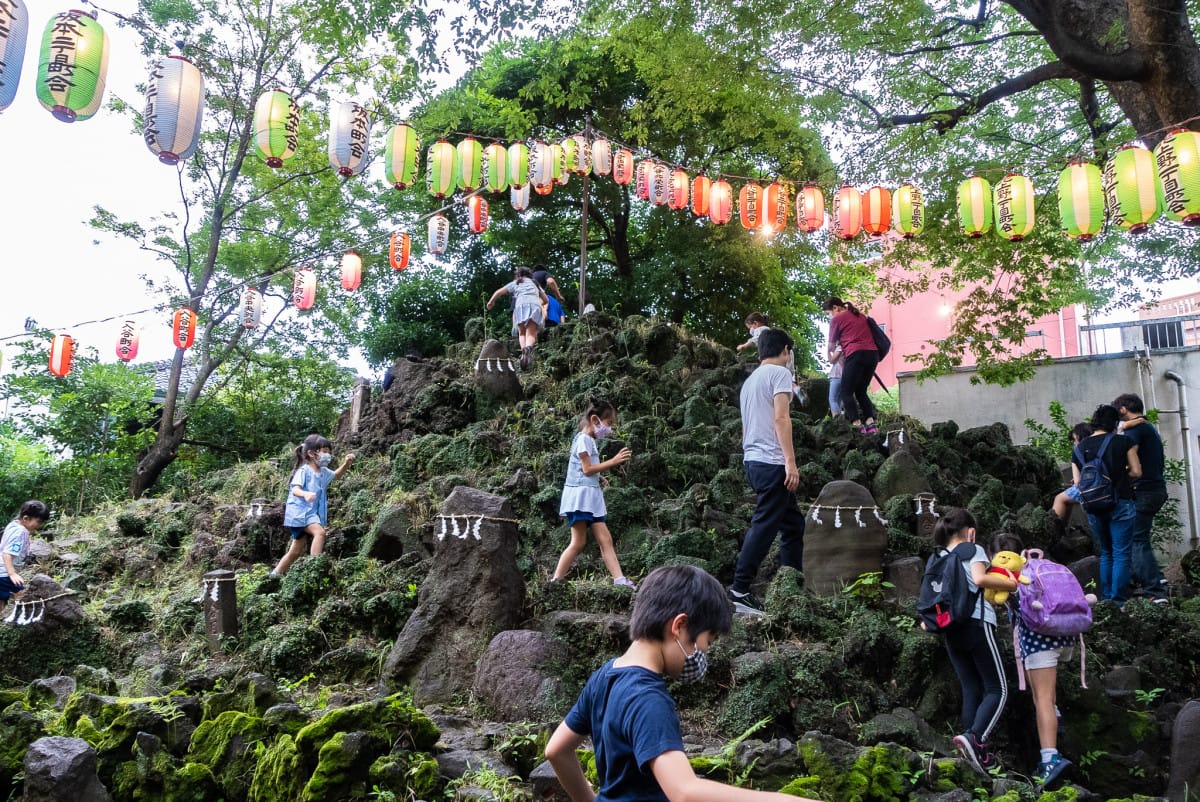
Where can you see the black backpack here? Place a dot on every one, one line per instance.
(883, 343)
(947, 601)
(1097, 493)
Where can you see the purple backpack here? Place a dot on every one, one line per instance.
(1053, 603)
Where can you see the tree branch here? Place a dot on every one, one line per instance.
(959, 45)
(1086, 57)
(945, 119)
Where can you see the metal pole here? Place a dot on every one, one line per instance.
(583, 225)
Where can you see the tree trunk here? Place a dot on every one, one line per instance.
(161, 454)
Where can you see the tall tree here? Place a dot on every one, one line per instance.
(241, 224)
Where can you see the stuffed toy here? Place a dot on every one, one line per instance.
(1008, 563)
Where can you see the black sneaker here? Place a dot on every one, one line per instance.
(1049, 771)
(973, 753)
(745, 603)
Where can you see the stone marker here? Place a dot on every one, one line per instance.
(846, 539)
(219, 591)
(496, 372)
(1184, 782)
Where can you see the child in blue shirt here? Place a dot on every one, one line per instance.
(14, 545)
(305, 514)
(628, 712)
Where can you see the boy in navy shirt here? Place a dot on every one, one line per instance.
(626, 708)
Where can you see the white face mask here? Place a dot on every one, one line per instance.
(324, 459)
(602, 429)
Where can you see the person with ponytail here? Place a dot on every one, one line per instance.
(849, 329)
(305, 514)
(582, 499)
(528, 315)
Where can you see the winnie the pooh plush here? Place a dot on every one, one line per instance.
(1008, 563)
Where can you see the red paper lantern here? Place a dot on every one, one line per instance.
(477, 214)
(810, 208)
(677, 190)
(877, 211)
(351, 271)
(720, 203)
(183, 328)
(701, 192)
(623, 167)
(847, 213)
(304, 289)
(398, 250)
(127, 341)
(750, 206)
(62, 351)
(645, 173)
(544, 189)
(775, 205)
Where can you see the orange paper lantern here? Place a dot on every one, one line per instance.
(304, 289)
(477, 214)
(677, 190)
(183, 328)
(775, 205)
(62, 351)
(622, 170)
(810, 208)
(398, 250)
(750, 206)
(701, 192)
(127, 341)
(877, 211)
(644, 175)
(720, 203)
(847, 213)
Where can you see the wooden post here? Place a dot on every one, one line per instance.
(219, 591)
(358, 404)
(583, 234)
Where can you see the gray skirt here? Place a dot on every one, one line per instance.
(526, 312)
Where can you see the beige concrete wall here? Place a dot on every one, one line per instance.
(1080, 384)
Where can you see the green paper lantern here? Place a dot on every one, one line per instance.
(441, 169)
(400, 155)
(276, 127)
(72, 66)
(470, 164)
(908, 211)
(975, 206)
(518, 165)
(1131, 190)
(1014, 207)
(1178, 160)
(1081, 200)
(495, 167)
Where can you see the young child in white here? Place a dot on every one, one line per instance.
(756, 324)
(582, 499)
(306, 512)
(14, 546)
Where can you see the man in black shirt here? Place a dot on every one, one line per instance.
(1149, 493)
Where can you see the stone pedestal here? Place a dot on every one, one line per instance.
(219, 590)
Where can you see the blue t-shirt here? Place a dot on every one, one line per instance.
(632, 720)
(297, 511)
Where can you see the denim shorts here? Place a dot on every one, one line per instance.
(1048, 658)
(1072, 493)
(587, 517)
(298, 532)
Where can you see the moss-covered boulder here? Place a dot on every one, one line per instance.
(228, 744)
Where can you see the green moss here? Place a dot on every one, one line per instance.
(393, 719)
(279, 775)
(883, 773)
(409, 775)
(229, 744)
(802, 786)
(948, 774)
(18, 729)
(340, 768)
(45, 653)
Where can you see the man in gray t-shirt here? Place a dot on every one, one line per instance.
(770, 467)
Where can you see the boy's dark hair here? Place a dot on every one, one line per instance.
(756, 317)
(1081, 431)
(1106, 417)
(34, 509)
(599, 407)
(1007, 542)
(675, 589)
(772, 342)
(953, 521)
(1130, 401)
(314, 442)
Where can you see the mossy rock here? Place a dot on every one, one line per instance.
(310, 580)
(342, 767)
(988, 505)
(278, 776)
(155, 776)
(18, 729)
(761, 690)
(46, 651)
(228, 744)
(392, 718)
(881, 773)
(411, 772)
(252, 694)
(129, 616)
(288, 650)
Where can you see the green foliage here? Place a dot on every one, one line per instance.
(25, 465)
(870, 587)
(502, 788)
(1053, 440)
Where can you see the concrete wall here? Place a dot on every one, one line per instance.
(1079, 384)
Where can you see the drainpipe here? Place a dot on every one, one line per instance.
(1171, 375)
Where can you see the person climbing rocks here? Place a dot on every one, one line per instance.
(770, 461)
(1149, 494)
(849, 329)
(582, 501)
(528, 315)
(554, 305)
(305, 514)
(756, 323)
(14, 546)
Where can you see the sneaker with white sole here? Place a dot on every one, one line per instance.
(745, 603)
(625, 583)
(975, 753)
(1050, 770)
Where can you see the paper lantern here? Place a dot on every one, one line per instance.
(398, 250)
(1178, 160)
(720, 203)
(558, 165)
(477, 214)
(1013, 205)
(602, 157)
(72, 66)
(351, 270)
(518, 164)
(660, 184)
(470, 164)
(544, 189)
(623, 167)
(519, 197)
(975, 206)
(14, 31)
(276, 127)
(847, 212)
(578, 154)
(1081, 200)
(541, 164)
(400, 153)
(349, 137)
(750, 206)
(775, 206)
(876, 211)
(251, 311)
(495, 167)
(438, 234)
(677, 189)
(174, 109)
(304, 289)
(810, 208)
(183, 328)
(908, 211)
(1131, 191)
(701, 192)
(62, 351)
(643, 177)
(440, 169)
(127, 341)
